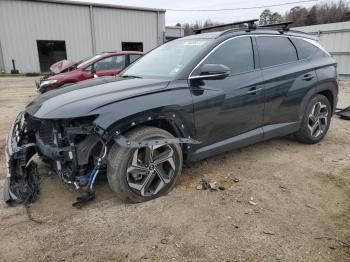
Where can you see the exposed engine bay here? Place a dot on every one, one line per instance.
(72, 148)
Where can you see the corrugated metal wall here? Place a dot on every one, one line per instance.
(113, 26)
(335, 38)
(22, 23)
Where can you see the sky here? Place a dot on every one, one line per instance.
(173, 17)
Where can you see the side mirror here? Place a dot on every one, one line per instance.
(213, 72)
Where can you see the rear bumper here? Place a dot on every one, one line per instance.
(17, 166)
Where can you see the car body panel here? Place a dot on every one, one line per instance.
(229, 102)
(62, 65)
(66, 73)
(78, 100)
(69, 127)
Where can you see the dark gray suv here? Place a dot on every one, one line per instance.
(184, 101)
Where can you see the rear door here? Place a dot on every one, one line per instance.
(287, 80)
(111, 65)
(232, 106)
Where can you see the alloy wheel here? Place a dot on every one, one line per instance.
(318, 119)
(151, 169)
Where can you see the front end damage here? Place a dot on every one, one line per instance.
(21, 183)
(75, 150)
(72, 148)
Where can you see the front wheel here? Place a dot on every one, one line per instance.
(141, 174)
(316, 121)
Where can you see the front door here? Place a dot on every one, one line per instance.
(232, 106)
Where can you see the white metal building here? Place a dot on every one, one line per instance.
(335, 38)
(174, 32)
(33, 30)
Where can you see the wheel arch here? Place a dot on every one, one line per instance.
(329, 95)
(329, 90)
(173, 122)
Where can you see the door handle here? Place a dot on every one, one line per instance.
(308, 77)
(255, 91)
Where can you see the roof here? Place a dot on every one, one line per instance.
(66, 2)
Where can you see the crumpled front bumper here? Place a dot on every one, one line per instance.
(17, 167)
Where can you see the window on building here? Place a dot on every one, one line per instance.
(276, 50)
(50, 52)
(237, 54)
(132, 46)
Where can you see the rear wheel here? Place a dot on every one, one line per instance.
(141, 174)
(316, 121)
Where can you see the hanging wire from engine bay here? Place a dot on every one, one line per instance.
(89, 195)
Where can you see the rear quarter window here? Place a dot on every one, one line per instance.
(307, 50)
(274, 50)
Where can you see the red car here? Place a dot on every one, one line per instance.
(65, 72)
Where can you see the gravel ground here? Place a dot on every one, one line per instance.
(291, 203)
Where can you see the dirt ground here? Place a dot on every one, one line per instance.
(299, 206)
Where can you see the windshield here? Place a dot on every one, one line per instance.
(168, 60)
(88, 60)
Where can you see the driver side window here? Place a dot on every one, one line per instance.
(112, 62)
(237, 54)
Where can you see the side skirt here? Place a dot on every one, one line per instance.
(245, 139)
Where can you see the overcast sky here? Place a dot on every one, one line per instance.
(172, 17)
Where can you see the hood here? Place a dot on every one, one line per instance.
(62, 65)
(84, 98)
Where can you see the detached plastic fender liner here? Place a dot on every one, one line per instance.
(9, 197)
(24, 188)
(344, 113)
(22, 182)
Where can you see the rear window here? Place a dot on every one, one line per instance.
(276, 50)
(306, 49)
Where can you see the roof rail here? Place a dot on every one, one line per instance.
(284, 26)
(251, 25)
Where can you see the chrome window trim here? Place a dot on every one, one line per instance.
(313, 42)
(203, 76)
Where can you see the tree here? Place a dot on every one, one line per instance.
(276, 18)
(311, 18)
(264, 17)
(267, 17)
(322, 13)
(298, 15)
(178, 24)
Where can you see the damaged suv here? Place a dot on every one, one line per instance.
(186, 100)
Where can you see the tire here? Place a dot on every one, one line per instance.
(125, 180)
(314, 126)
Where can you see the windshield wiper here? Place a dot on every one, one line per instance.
(130, 76)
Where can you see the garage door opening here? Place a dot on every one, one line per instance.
(132, 46)
(50, 52)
